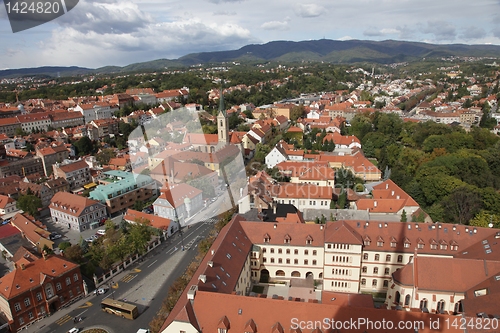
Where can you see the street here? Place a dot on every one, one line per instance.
(144, 284)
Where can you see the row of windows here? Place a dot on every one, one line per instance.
(339, 246)
(374, 283)
(343, 259)
(407, 245)
(295, 261)
(39, 297)
(375, 270)
(339, 284)
(280, 251)
(377, 257)
(338, 271)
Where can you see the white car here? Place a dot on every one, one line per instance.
(74, 330)
(100, 291)
(101, 232)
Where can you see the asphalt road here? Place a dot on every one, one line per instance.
(144, 284)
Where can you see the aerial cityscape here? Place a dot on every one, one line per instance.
(167, 171)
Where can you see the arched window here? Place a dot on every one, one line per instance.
(440, 306)
(407, 300)
(397, 297)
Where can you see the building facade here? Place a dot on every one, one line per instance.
(39, 288)
(76, 212)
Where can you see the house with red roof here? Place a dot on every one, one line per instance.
(33, 231)
(165, 225)
(178, 202)
(37, 288)
(388, 198)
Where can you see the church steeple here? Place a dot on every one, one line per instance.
(222, 121)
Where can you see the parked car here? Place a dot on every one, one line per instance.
(89, 240)
(54, 235)
(74, 330)
(101, 232)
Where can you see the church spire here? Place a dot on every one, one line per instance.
(222, 107)
(222, 121)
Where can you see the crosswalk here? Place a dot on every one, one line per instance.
(128, 277)
(211, 220)
(63, 320)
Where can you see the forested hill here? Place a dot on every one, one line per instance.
(326, 50)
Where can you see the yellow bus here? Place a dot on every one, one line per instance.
(119, 308)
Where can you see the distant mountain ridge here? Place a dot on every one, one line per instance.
(327, 50)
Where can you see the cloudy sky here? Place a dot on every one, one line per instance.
(119, 32)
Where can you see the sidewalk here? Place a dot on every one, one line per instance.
(42, 325)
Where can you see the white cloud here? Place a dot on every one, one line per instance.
(106, 16)
(276, 25)
(472, 32)
(372, 32)
(68, 46)
(441, 30)
(309, 10)
(345, 38)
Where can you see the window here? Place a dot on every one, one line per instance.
(314, 262)
(71, 293)
(280, 261)
(400, 258)
(21, 320)
(280, 251)
(365, 256)
(68, 281)
(30, 315)
(27, 301)
(420, 245)
(388, 257)
(315, 252)
(306, 262)
(374, 283)
(375, 270)
(433, 246)
(364, 269)
(407, 300)
(380, 243)
(295, 251)
(377, 257)
(287, 251)
(264, 259)
(272, 250)
(264, 250)
(386, 271)
(296, 261)
(363, 282)
(38, 296)
(306, 252)
(288, 261)
(17, 306)
(386, 283)
(272, 260)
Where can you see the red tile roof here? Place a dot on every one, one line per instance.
(156, 221)
(34, 274)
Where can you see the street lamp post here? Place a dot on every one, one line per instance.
(110, 285)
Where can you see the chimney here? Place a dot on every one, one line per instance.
(210, 263)
(22, 267)
(213, 252)
(321, 227)
(275, 225)
(203, 278)
(44, 255)
(375, 203)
